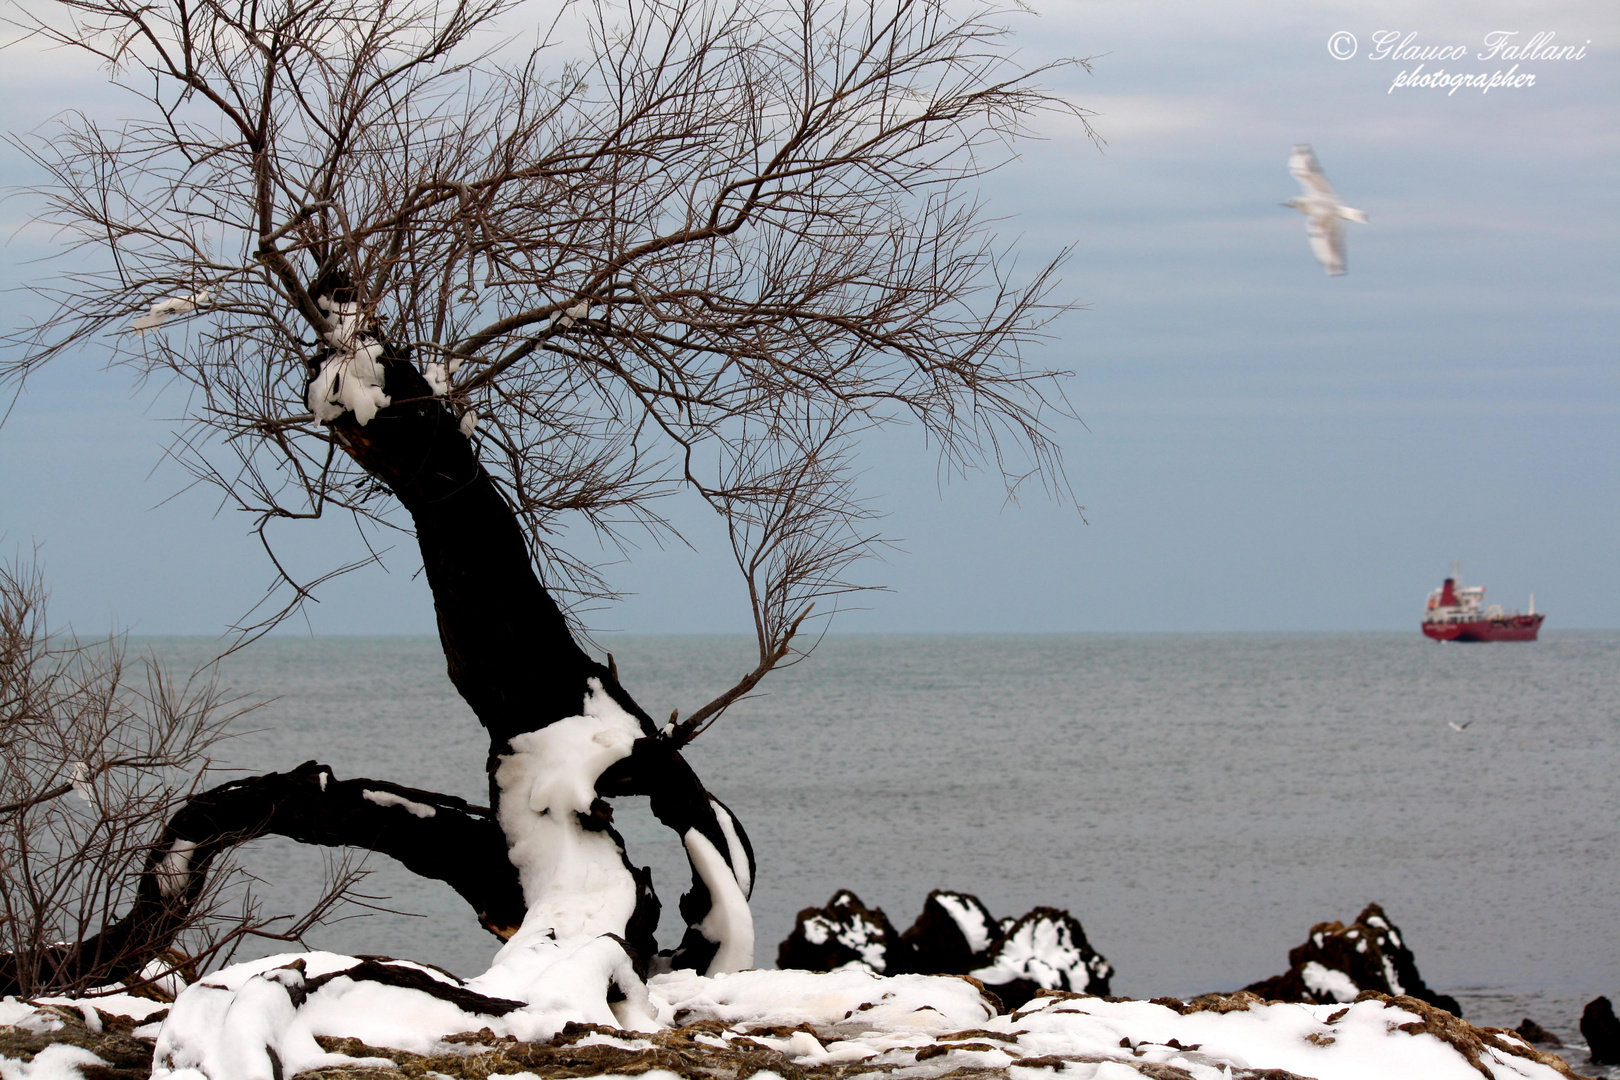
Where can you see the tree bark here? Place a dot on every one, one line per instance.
(436, 836)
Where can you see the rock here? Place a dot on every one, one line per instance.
(844, 932)
(1601, 1031)
(955, 935)
(1530, 1031)
(952, 936)
(60, 1042)
(1045, 950)
(1338, 962)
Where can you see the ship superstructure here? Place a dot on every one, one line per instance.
(1459, 613)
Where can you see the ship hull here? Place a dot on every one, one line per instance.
(1507, 628)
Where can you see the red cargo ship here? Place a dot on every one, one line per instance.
(1459, 614)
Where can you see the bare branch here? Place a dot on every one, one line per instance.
(712, 222)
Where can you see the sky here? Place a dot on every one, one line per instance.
(1260, 447)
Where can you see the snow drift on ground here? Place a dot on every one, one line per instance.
(260, 1020)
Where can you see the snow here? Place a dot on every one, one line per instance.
(1391, 978)
(1042, 950)
(1328, 982)
(853, 932)
(350, 379)
(1328, 1042)
(851, 1000)
(566, 982)
(729, 923)
(575, 880)
(239, 1022)
(736, 854)
(162, 310)
(388, 798)
(469, 423)
(58, 1061)
(256, 1031)
(567, 316)
(968, 918)
(438, 373)
(261, 1020)
(81, 782)
(114, 1004)
(175, 869)
(23, 1014)
(230, 1024)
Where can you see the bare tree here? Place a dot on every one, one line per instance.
(96, 763)
(679, 246)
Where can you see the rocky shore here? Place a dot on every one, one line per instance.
(960, 995)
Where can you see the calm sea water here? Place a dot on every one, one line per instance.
(1198, 801)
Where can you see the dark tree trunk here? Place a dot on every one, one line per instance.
(507, 646)
(506, 643)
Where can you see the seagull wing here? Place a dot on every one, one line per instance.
(1327, 242)
(1302, 163)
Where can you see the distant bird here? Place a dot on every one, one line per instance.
(1322, 210)
(162, 310)
(1454, 726)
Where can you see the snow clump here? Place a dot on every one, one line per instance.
(351, 378)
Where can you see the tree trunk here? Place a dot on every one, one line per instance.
(506, 643)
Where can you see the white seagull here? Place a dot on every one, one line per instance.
(1458, 727)
(163, 309)
(1322, 209)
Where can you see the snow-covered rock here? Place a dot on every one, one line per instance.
(955, 935)
(64, 1040)
(1045, 950)
(1337, 962)
(845, 933)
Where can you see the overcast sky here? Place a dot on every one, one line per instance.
(1262, 448)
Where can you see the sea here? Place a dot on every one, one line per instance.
(1197, 801)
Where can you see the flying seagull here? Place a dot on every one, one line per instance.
(1456, 726)
(1322, 209)
(163, 309)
